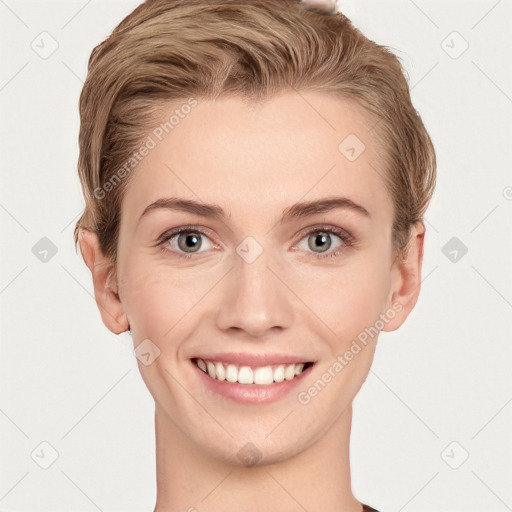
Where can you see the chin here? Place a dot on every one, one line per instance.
(257, 449)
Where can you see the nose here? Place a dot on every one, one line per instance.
(254, 298)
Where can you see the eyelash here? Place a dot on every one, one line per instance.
(345, 237)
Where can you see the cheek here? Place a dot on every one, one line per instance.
(348, 298)
(145, 296)
(160, 300)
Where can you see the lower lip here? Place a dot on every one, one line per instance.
(251, 393)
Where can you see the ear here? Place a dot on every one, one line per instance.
(406, 281)
(105, 283)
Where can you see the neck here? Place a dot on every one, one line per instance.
(316, 479)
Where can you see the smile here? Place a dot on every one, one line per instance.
(250, 375)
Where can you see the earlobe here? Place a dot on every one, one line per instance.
(104, 282)
(406, 284)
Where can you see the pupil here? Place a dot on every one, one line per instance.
(190, 244)
(323, 239)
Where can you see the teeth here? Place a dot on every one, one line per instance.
(278, 373)
(289, 372)
(201, 364)
(211, 369)
(220, 371)
(245, 375)
(263, 375)
(231, 373)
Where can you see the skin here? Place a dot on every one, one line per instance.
(254, 161)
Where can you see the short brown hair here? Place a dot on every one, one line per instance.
(166, 51)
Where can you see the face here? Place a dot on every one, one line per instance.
(256, 286)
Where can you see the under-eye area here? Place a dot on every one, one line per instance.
(262, 375)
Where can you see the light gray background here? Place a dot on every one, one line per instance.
(440, 388)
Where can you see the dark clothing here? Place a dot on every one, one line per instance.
(367, 508)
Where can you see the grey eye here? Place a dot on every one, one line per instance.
(189, 241)
(319, 240)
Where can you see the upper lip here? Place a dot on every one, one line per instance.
(244, 359)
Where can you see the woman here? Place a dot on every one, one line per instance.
(255, 178)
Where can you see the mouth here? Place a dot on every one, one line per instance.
(251, 375)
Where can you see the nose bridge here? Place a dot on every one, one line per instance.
(254, 300)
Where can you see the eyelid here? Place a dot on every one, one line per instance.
(342, 233)
(164, 237)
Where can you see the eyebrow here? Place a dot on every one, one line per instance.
(296, 211)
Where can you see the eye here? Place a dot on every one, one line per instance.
(185, 241)
(320, 237)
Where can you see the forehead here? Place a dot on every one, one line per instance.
(262, 156)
